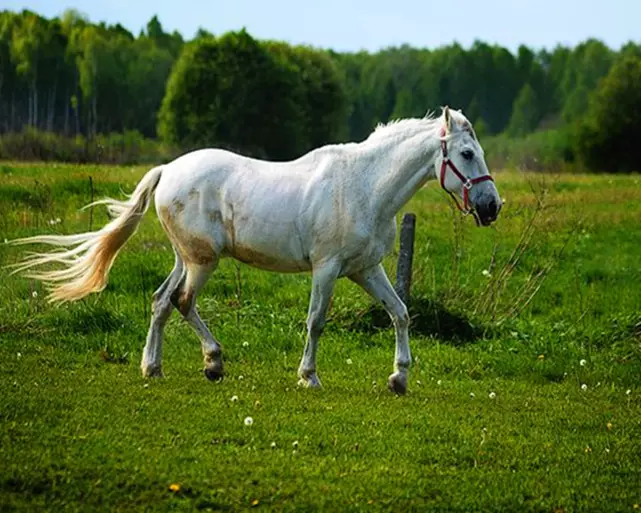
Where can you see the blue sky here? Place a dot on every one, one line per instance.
(353, 25)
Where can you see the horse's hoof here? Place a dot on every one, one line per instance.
(214, 373)
(311, 381)
(153, 372)
(397, 383)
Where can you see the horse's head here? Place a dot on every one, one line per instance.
(462, 171)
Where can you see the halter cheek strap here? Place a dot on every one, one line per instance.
(468, 183)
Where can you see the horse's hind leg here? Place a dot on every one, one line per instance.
(151, 363)
(184, 299)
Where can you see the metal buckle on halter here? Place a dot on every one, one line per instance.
(468, 185)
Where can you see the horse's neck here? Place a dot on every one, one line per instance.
(404, 168)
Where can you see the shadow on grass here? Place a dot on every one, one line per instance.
(428, 317)
(87, 320)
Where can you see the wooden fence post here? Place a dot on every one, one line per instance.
(405, 256)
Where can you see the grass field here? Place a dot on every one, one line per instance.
(524, 394)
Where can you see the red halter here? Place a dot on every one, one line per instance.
(468, 183)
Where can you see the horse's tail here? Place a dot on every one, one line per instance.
(86, 266)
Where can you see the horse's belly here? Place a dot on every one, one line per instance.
(269, 260)
(268, 246)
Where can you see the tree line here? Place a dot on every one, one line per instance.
(72, 77)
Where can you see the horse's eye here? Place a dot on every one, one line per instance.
(467, 154)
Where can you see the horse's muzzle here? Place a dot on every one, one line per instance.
(486, 213)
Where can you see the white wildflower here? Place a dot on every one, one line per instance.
(245, 344)
(58, 221)
(34, 294)
(349, 361)
(582, 363)
(273, 445)
(418, 382)
(249, 421)
(439, 382)
(492, 395)
(472, 395)
(241, 377)
(628, 392)
(234, 398)
(486, 273)
(584, 387)
(295, 444)
(19, 355)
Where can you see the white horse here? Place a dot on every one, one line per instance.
(331, 212)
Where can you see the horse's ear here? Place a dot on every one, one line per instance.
(448, 119)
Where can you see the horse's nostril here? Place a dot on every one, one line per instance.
(492, 208)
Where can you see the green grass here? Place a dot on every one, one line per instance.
(81, 430)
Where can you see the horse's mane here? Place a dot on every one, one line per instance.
(428, 122)
(398, 126)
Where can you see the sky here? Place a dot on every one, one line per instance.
(344, 25)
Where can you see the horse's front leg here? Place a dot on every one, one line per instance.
(323, 280)
(375, 282)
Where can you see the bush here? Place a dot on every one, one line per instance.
(546, 150)
(127, 148)
(608, 136)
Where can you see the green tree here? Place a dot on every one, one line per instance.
(232, 92)
(525, 113)
(323, 100)
(608, 137)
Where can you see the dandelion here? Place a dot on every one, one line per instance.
(584, 387)
(234, 398)
(541, 357)
(609, 425)
(249, 421)
(245, 344)
(492, 395)
(486, 273)
(582, 363)
(349, 361)
(255, 502)
(34, 294)
(295, 444)
(174, 487)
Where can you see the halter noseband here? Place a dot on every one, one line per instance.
(468, 183)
